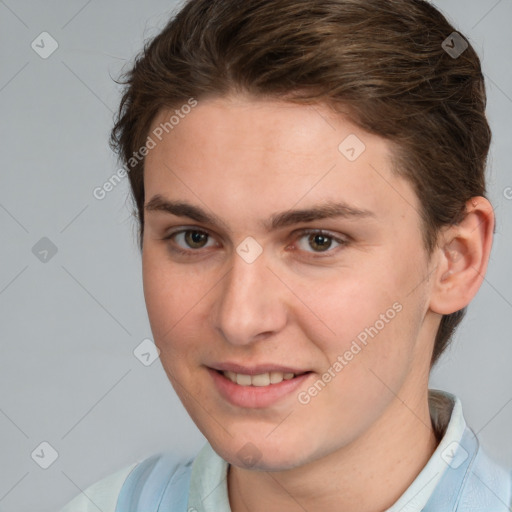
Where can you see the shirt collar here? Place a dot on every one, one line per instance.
(449, 425)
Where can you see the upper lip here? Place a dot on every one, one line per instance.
(256, 369)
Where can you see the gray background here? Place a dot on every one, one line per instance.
(69, 326)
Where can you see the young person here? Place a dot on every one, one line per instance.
(309, 182)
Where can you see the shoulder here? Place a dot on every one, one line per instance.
(160, 478)
(143, 483)
(101, 495)
(488, 482)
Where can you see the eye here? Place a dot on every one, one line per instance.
(320, 241)
(194, 239)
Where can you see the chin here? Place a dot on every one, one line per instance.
(262, 455)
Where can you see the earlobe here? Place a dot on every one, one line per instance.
(463, 251)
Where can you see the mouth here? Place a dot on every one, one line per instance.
(258, 389)
(261, 379)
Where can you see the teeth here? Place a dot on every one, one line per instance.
(262, 379)
(243, 380)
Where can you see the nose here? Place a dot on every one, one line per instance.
(250, 302)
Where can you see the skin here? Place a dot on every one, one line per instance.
(245, 159)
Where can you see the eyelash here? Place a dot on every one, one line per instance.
(299, 235)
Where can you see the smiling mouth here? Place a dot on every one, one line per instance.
(259, 380)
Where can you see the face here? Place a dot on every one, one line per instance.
(273, 244)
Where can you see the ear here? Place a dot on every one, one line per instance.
(463, 254)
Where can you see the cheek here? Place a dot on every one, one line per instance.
(367, 316)
(346, 305)
(170, 297)
(178, 304)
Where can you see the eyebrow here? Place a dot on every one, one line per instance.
(326, 210)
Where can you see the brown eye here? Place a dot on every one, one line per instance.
(195, 239)
(188, 241)
(319, 242)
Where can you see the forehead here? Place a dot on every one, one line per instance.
(257, 126)
(258, 155)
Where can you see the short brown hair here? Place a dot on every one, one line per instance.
(382, 62)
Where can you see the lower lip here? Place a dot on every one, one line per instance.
(255, 396)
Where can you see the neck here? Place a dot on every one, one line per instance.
(385, 460)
